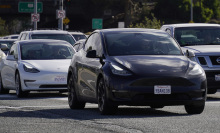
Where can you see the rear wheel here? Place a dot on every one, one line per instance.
(19, 92)
(195, 109)
(2, 89)
(104, 106)
(74, 103)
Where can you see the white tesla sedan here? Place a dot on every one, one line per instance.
(36, 65)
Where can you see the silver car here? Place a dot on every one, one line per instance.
(36, 65)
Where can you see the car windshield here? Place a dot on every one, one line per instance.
(9, 43)
(46, 51)
(188, 36)
(141, 43)
(79, 37)
(65, 37)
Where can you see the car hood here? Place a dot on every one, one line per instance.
(155, 65)
(49, 65)
(203, 49)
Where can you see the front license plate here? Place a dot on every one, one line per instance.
(60, 79)
(162, 89)
(217, 77)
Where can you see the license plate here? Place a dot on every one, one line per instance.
(60, 79)
(162, 89)
(217, 77)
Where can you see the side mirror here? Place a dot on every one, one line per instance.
(4, 47)
(91, 54)
(190, 54)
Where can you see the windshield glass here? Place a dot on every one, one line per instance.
(46, 51)
(141, 43)
(187, 36)
(79, 37)
(65, 37)
(9, 43)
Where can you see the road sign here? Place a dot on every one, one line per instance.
(60, 14)
(28, 7)
(97, 23)
(35, 17)
(66, 21)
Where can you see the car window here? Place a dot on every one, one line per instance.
(46, 51)
(79, 37)
(65, 37)
(23, 36)
(9, 43)
(197, 36)
(141, 43)
(90, 42)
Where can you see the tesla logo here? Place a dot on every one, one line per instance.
(218, 60)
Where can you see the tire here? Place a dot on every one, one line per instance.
(212, 91)
(19, 92)
(73, 102)
(2, 89)
(105, 107)
(195, 109)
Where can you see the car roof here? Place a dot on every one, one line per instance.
(129, 30)
(48, 32)
(41, 41)
(76, 33)
(193, 25)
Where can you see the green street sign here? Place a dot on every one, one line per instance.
(96, 23)
(28, 7)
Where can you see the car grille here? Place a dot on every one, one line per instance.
(175, 81)
(214, 60)
(202, 60)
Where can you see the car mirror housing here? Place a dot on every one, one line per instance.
(190, 54)
(91, 54)
(4, 47)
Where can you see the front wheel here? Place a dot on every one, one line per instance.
(105, 107)
(195, 109)
(74, 103)
(19, 92)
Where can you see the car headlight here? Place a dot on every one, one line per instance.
(197, 70)
(118, 70)
(30, 69)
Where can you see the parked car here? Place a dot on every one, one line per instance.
(134, 67)
(78, 35)
(204, 41)
(14, 36)
(47, 34)
(8, 43)
(36, 65)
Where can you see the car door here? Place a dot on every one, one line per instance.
(90, 67)
(9, 67)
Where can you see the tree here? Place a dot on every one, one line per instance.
(3, 29)
(153, 23)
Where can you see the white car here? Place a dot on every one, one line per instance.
(36, 65)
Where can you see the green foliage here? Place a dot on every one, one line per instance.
(3, 29)
(153, 23)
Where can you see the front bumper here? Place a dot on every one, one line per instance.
(131, 91)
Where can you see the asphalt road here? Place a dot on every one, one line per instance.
(50, 113)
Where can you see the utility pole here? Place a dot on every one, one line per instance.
(60, 21)
(35, 12)
(191, 19)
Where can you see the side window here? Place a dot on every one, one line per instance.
(27, 37)
(90, 42)
(14, 51)
(168, 31)
(98, 45)
(23, 36)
